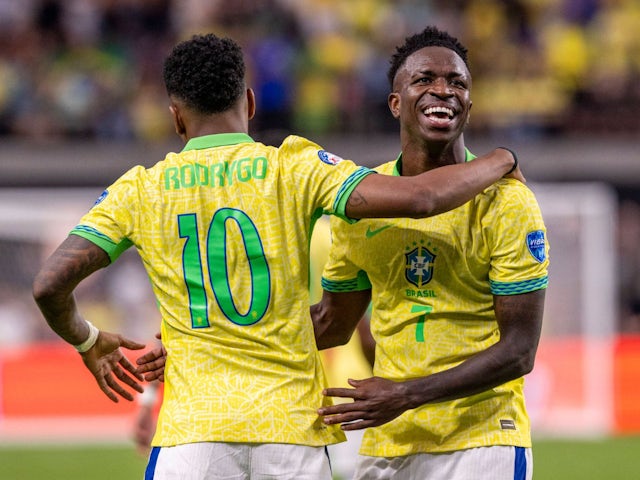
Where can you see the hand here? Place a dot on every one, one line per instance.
(152, 364)
(517, 174)
(375, 401)
(105, 361)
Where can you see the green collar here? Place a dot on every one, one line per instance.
(217, 140)
(397, 168)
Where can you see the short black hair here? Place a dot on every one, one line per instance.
(429, 37)
(206, 72)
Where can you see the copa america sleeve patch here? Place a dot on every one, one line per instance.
(102, 196)
(536, 245)
(329, 158)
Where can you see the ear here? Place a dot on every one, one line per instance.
(393, 100)
(251, 103)
(178, 122)
(469, 113)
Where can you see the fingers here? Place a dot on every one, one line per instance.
(130, 367)
(155, 375)
(339, 409)
(359, 425)
(102, 383)
(123, 377)
(151, 366)
(117, 388)
(349, 419)
(154, 358)
(130, 344)
(112, 388)
(341, 392)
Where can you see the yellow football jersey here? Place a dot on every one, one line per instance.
(433, 282)
(223, 231)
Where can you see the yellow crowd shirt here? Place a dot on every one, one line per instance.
(433, 282)
(223, 231)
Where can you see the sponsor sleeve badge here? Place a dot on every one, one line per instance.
(536, 245)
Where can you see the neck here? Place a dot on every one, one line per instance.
(214, 124)
(418, 158)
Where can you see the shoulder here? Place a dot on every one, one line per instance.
(295, 142)
(133, 176)
(509, 191)
(386, 168)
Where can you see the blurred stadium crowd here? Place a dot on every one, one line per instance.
(92, 68)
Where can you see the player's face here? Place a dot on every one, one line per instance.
(431, 95)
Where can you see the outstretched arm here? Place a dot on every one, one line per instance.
(74, 260)
(430, 193)
(377, 400)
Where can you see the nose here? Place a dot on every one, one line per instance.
(440, 88)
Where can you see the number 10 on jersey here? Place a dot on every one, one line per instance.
(216, 269)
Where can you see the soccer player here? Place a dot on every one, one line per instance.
(457, 299)
(222, 229)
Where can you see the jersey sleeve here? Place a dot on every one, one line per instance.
(110, 222)
(520, 250)
(340, 274)
(322, 178)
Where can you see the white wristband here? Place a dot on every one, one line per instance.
(90, 341)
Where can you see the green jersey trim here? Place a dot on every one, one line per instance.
(114, 250)
(217, 140)
(397, 168)
(361, 282)
(516, 288)
(345, 191)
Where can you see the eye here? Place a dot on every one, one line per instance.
(424, 80)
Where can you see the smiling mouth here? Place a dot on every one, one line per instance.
(439, 113)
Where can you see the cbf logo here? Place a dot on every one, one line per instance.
(419, 266)
(535, 244)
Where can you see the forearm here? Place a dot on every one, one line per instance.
(62, 315)
(336, 316)
(458, 184)
(520, 322)
(485, 370)
(430, 193)
(74, 260)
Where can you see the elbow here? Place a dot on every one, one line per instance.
(43, 289)
(331, 339)
(325, 328)
(523, 363)
(425, 205)
(428, 202)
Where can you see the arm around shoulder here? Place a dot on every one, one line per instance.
(430, 193)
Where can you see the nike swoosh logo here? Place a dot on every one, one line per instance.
(371, 233)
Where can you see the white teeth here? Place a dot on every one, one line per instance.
(445, 110)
